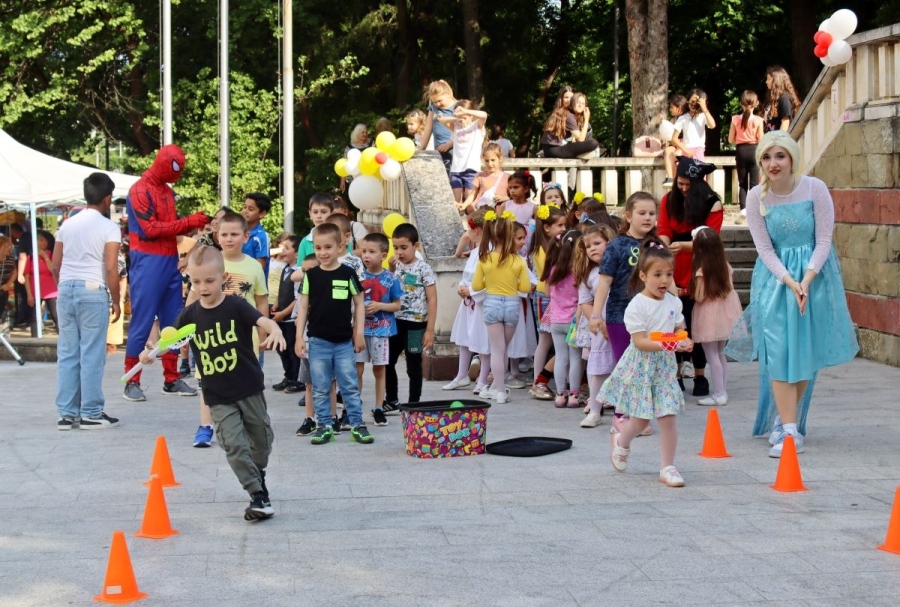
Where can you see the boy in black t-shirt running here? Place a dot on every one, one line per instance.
(231, 379)
(335, 333)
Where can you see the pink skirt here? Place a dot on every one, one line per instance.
(713, 320)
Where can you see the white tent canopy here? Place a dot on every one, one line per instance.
(30, 180)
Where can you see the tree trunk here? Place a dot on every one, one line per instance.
(648, 55)
(472, 42)
(806, 66)
(408, 54)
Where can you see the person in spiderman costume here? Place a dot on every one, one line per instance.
(154, 278)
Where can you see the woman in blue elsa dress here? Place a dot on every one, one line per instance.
(798, 312)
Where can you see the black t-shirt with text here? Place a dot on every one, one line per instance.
(223, 349)
(783, 109)
(330, 295)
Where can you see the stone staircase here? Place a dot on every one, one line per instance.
(742, 256)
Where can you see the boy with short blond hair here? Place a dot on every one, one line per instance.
(382, 294)
(234, 389)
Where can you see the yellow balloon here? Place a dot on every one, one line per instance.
(390, 223)
(168, 333)
(340, 167)
(368, 154)
(385, 140)
(386, 264)
(402, 149)
(368, 166)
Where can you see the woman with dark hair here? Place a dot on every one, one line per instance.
(564, 97)
(782, 102)
(566, 131)
(689, 205)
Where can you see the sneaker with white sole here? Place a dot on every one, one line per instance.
(457, 383)
(526, 365)
(203, 437)
(618, 455)
(713, 401)
(133, 392)
(516, 383)
(593, 419)
(260, 507)
(178, 388)
(66, 423)
(501, 398)
(98, 423)
(379, 417)
(775, 451)
(474, 367)
(478, 388)
(687, 369)
(670, 477)
(486, 393)
(777, 430)
(540, 392)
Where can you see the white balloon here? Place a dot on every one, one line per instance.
(842, 24)
(366, 192)
(353, 155)
(828, 62)
(823, 27)
(390, 170)
(352, 167)
(839, 52)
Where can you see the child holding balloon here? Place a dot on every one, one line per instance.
(468, 140)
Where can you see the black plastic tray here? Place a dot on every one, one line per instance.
(528, 446)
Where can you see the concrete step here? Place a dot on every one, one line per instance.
(736, 236)
(742, 276)
(741, 257)
(744, 294)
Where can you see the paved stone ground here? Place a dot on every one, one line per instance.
(369, 524)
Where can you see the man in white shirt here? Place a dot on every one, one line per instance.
(85, 264)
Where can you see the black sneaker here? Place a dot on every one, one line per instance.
(345, 420)
(307, 427)
(378, 416)
(99, 423)
(178, 388)
(280, 386)
(360, 434)
(294, 387)
(389, 407)
(260, 507)
(701, 386)
(185, 369)
(336, 425)
(66, 423)
(322, 435)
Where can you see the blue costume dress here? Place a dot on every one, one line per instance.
(791, 347)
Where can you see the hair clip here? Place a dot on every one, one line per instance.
(472, 224)
(656, 245)
(490, 216)
(599, 197)
(508, 215)
(543, 212)
(696, 230)
(578, 197)
(552, 186)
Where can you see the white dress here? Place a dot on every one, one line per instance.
(469, 328)
(524, 340)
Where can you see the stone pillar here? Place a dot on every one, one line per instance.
(433, 213)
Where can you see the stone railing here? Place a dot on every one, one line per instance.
(616, 178)
(866, 87)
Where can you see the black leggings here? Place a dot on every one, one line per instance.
(747, 169)
(398, 344)
(697, 356)
(570, 150)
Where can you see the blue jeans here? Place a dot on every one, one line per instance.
(329, 361)
(83, 309)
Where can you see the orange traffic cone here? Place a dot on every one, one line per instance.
(892, 539)
(713, 442)
(156, 523)
(162, 466)
(119, 587)
(788, 478)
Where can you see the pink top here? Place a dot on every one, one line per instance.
(523, 212)
(748, 135)
(563, 300)
(48, 285)
(808, 188)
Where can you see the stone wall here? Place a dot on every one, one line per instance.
(862, 168)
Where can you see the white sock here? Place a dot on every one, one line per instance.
(790, 429)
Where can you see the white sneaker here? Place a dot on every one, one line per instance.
(776, 450)
(586, 410)
(474, 367)
(713, 401)
(777, 431)
(592, 420)
(478, 389)
(501, 398)
(457, 383)
(516, 383)
(687, 369)
(670, 477)
(486, 393)
(618, 456)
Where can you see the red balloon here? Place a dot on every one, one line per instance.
(820, 51)
(825, 39)
(817, 36)
(381, 158)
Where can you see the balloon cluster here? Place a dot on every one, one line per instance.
(372, 165)
(831, 44)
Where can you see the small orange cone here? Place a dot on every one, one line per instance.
(892, 539)
(162, 466)
(119, 587)
(156, 523)
(788, 478)
(713, 442)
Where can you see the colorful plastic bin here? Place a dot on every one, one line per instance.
(444, 428)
